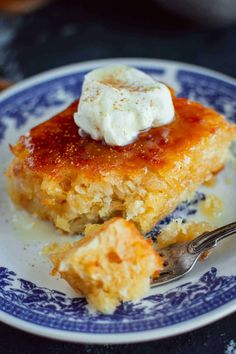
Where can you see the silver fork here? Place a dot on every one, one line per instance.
(180, 258)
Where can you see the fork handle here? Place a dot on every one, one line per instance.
(210, 239)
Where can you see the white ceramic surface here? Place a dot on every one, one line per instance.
(30, 299)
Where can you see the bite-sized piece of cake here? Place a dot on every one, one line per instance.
(74, 180)
(112, 263)
(177, 232)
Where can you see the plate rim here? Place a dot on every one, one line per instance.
(81, 66)
(120, 338)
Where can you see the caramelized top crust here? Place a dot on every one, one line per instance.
(55, 145)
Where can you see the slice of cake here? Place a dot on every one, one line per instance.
(112, 263)
(74, 180)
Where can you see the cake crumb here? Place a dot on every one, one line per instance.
(177, 232)
(212, 206)
(211, 182)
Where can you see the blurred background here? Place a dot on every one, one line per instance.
(37, 35)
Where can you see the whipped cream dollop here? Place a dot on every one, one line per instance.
(118, 102)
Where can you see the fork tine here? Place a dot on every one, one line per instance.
(181, 257)
(163, 278)
(178, 262)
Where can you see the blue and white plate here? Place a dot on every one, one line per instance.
(32, 300)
